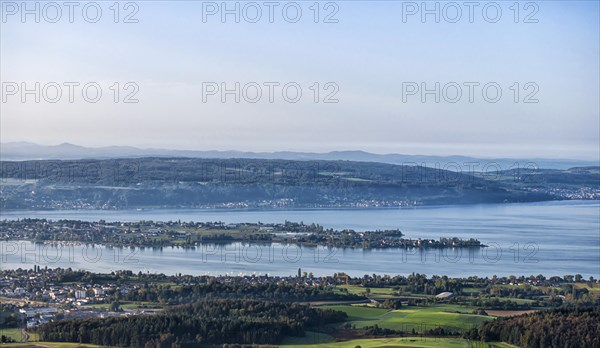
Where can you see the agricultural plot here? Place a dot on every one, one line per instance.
(420, 319)
(412, 342)
(380, 293)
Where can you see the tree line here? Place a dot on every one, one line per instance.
(286, 292)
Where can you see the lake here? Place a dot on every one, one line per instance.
(549, 238)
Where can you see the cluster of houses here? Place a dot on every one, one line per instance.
(40, 299)
(38, 315)
(60, 295)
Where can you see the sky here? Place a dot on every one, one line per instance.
(363, 77)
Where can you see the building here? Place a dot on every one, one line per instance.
(444, 295)
(79, 294)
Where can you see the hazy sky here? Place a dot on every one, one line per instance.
(374, 52)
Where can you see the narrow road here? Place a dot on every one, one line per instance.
(24, 336)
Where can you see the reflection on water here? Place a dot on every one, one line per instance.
(553, 238)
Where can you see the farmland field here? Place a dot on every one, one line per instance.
(379, 293)
(449, 317)
(15, 334)
(506, 313)
(413, 342)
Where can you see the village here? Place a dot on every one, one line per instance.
(41, 299)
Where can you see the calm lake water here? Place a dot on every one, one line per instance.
(551, 238)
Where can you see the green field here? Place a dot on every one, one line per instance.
(380, 293)
(359, 312)
(124, 305)
(592, 289)
(447, 316)
(471, 291)
(373, 292)
(517, 300)
(310, 338)
(414, 342)
(15, 334)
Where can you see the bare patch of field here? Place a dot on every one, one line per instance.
(508, 313)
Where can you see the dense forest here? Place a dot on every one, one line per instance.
(219, 290)
(185, 182)
(203, 323)
(565, 327)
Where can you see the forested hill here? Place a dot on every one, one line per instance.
(255, 183)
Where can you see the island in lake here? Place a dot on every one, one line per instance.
(191, 234)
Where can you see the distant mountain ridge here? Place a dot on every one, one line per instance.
(19, 151)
